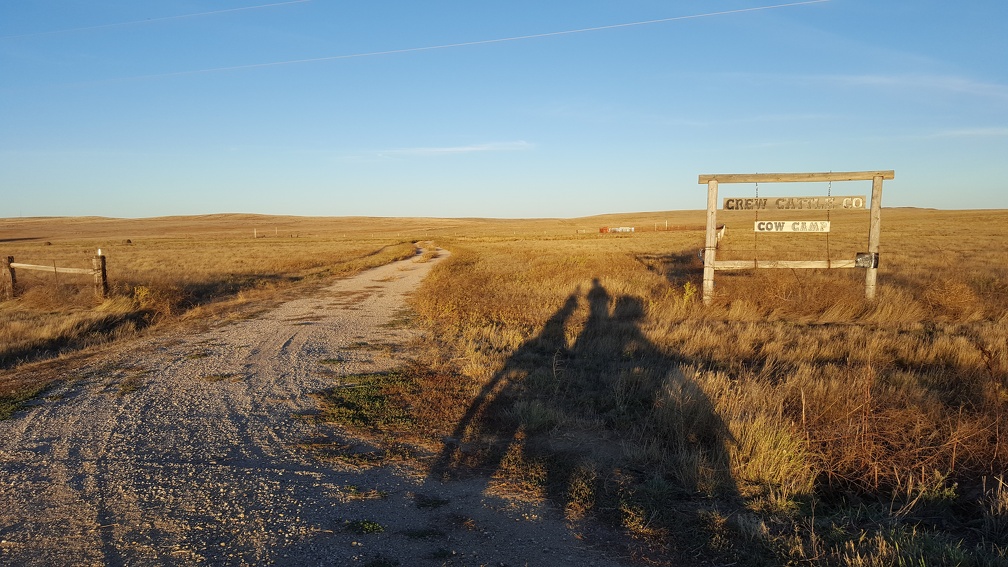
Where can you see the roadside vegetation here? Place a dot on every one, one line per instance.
(166, 271)
(792, 422)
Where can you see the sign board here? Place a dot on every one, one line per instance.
(849, 202)
(866, 260)
(791, 226)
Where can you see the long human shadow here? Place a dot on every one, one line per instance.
(608, 404)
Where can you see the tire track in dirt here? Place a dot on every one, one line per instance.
(185, 449)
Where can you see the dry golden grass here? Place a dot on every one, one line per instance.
(170, 269)
(592, 352)
(792, 421)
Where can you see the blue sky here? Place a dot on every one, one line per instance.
(323, 107)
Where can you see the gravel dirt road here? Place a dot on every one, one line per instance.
(187, 448)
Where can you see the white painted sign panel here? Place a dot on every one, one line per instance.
(791, 226)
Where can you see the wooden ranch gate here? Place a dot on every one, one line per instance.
(867, 260)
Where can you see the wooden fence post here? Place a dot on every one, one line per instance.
(710, 243)
(874, 227)
(9, 277)
(100, 277)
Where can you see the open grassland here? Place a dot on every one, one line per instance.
(169, 269)
(790, 422)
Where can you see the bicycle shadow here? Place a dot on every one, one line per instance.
(593, 419)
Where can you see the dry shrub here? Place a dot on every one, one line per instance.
(163, 300)
(871, 434)
(901, 546)
(767, 451)
(951, 297)
(40, 293)
(994, 507)
(991, 287)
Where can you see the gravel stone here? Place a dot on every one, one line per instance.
(201, 465)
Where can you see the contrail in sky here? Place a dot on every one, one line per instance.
(407, 49)
(153, 20)
(480, 42)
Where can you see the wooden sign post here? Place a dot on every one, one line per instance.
(869, 260)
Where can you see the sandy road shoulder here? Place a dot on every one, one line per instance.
(184, 449)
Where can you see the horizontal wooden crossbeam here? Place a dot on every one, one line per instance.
(86, 271)
(795, 177)
(797, 264)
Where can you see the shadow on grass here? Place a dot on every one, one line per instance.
(22, 239)
(676, 267)
(606, 425)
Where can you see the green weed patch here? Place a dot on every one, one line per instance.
(12, 402)
(367, 401)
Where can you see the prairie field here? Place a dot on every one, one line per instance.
(166, 269)
(790, 422)
(801, 422)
